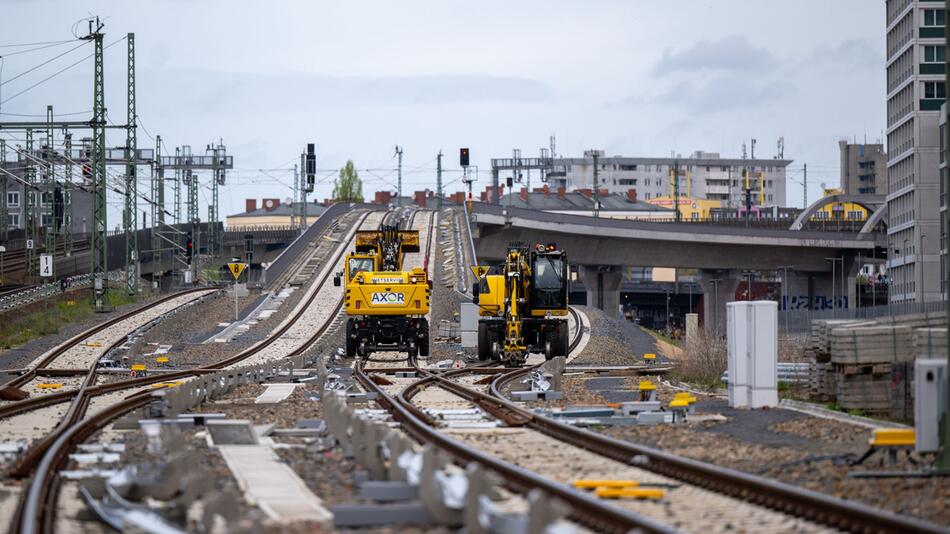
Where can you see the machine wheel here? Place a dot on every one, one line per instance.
(484, 342)
(548, 348)
(424, 347)
(413, 351)
(561, 343)
(350, 341)
(495, 350)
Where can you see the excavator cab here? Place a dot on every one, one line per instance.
(549, 283)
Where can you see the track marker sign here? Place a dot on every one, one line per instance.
(236, 269)
(480, 271)
(46, 265)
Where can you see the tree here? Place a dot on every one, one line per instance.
(348, 187)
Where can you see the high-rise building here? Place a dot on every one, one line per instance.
(943, 201)
(703, 175)
(863, 169)
(916, 55)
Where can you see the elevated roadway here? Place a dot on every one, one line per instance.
(603, 247)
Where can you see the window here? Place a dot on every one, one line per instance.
(646, 181)
(13, 219)
(707, 168)
(13, 199)
(47, 220)
(935, 54)
(648, 196)
(769, 198)
(935, 17)
(628, 181)
(768, 183)
(46, 198)
(935, 90)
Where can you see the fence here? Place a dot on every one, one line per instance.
(799, 321)
(44, 291)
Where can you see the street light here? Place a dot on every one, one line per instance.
(785, 294)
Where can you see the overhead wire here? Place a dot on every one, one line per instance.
(47, 62)
(57, 73)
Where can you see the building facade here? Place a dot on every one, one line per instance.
(16, 201)
(916, 55)
(702, 175)
(863, 168)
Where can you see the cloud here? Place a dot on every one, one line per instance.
(855, 54)
(723, 93)
(733, 53)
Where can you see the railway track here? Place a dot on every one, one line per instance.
(37, 512)
(535, 452)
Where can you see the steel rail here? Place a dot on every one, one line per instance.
(35, 514)
(585, 509)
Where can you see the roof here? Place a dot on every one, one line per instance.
(711, 162)
(575, 201)
(282, 209)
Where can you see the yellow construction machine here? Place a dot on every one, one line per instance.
(386, 306)
(523, 307)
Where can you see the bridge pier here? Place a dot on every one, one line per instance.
(603, 287)
(719, 287)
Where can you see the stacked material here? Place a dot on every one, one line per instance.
(866, 360)
(821, 381)
(858, 345)
(820, 342)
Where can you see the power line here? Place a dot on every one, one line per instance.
(20, 45)
(50, 45)
(48, 61)
(57, 73)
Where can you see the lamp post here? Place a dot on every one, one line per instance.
(785, 294)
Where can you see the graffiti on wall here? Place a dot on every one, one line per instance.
(820, 302)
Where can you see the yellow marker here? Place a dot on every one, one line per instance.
(93, 344)
(592, 484)
(47, 385)
(679, 403)
(630, 493)
(138, 367)
(70, 302)
(162, 359)
(649, 356)
(646, 385)
(685, 396)
(893, 437)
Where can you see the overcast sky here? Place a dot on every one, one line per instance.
(634, 78)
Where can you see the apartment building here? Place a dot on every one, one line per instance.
(916, 89)
(702, 175)
(863, 168)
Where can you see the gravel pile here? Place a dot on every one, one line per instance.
(613, 341)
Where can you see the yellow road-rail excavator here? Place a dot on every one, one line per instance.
(523, 307)
(386, 306)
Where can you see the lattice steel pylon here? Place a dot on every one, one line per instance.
(178, 178)
(3, 193)
(49, 185)
(100, 268)
(68, 196)
(131, 187)
(30, 210)
(158, 197)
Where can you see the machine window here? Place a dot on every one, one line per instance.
(548, 274)
(360, 265)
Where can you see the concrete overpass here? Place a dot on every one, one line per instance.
(721, 252)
